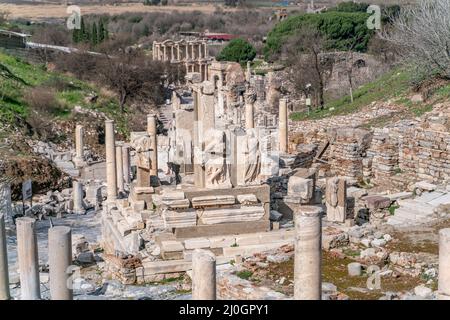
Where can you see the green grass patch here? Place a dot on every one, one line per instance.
(244, 274)
(392, 209)
(69, 92)
(390, 85)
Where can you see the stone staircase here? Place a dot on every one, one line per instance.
(420, 210)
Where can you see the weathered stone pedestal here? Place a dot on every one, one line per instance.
(301, 191)
(59, 260)
(4, 276)
(28, 259)
(308, 254)
(203, 275)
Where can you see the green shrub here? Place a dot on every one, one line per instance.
(238, 50)
(341, 30)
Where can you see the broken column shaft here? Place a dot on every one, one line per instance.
(283, 126)
(28, 259)
(77, 194)
(151, 130)
(4, 276)
(59, 260)
(444, 264)
(203, 275)
(126, 163)
(308, 253)
(110, 146)
(249, 116)
(119, 169)
(79, 145)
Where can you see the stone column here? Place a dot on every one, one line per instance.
(111, 179)
(199, 51)
(59, 260)
(151, 130)
(283, 126)
(126, 163)
(153, 50)
(220, 99)
(4, 275)
(165, 53)
(444, 264)
(205, 46)
(248, 74)
(203, 275)
(28, 259)
(119, 168)
(308, 253)
(250, 98)
(79, 146)
(77, 196)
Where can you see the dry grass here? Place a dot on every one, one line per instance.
(45, 11)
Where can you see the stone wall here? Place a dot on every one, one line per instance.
(347, 148)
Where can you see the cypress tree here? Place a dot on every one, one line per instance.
(94, 35)
(101, 31)
(82, 33)
(76, 35)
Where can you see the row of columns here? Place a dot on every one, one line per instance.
(60, 259)
(282, 125)
(307, 264)
(118, 158)
(174, 52)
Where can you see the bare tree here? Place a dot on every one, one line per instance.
(307, 68)
(422, 31)
(132, 75)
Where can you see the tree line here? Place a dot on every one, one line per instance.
(93, 34)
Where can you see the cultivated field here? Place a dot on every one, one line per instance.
(49, 11)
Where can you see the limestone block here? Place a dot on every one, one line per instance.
(135, 221)
(139, 205)
(204, 201)
(171, 246)
(423, 185)
(222, 241)
(215, 216)
(197, 243)
(248, 239)
(177, 204)
(172, 195)
(177, 219)
(377, 202)
(247, 199)
(123, 227)
(301, 187)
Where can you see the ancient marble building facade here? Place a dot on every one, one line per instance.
(193, 54)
